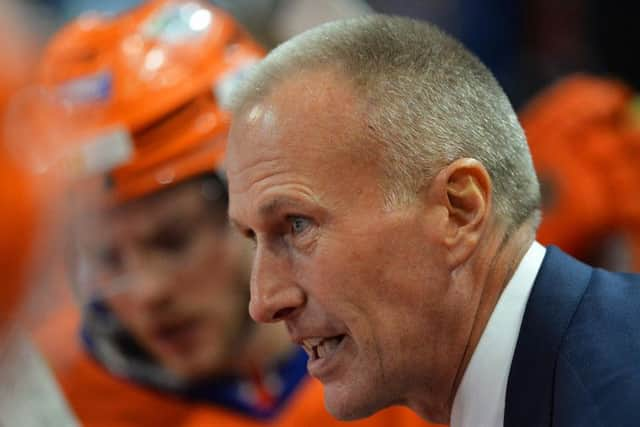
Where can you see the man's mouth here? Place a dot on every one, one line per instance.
(177, 334)
(321, 348)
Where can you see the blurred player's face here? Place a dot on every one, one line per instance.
(186, 278)
(364, 289)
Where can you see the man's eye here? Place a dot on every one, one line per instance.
(298, 224)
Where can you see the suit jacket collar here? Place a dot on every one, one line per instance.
(555, 296)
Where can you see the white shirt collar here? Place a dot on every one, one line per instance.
(480, 398)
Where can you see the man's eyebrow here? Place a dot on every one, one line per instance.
(273, 205)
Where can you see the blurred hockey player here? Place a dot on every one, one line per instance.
(584, 134)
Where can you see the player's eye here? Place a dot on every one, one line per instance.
(111, 258)
(170, 240)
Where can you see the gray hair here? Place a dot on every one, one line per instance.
(429, 101)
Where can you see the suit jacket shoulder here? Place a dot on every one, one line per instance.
(577, 360)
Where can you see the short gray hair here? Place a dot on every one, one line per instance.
(429, 101)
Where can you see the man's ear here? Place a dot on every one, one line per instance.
(465, 192)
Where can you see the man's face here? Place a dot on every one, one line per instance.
(363, 288)
(185, 278)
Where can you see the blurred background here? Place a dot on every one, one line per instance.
(526, 43)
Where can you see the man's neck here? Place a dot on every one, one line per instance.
(497, 261)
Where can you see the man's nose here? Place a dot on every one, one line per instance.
(274, 294)
(151, 285)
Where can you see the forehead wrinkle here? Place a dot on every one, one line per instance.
(275, 203)
(264, 167)
(268, 195)
(268, 165)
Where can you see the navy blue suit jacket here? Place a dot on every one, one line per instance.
(577, 360)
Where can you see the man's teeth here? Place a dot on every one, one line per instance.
(328, 347)
(318, 348)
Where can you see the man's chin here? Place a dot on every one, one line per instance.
(348, 405)
(192, 369)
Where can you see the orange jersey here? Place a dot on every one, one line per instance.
(102, 400)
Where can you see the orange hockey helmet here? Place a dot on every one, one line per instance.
(144, 98)
(147, 91)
